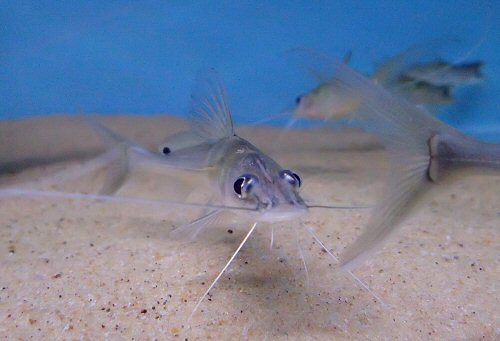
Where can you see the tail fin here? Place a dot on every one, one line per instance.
(405, 131)
(477, 67)
(124, 155)
(119, 166)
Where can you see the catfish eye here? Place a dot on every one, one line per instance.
(165, 150)
(297, 100)
(291, 177)
(243, 185)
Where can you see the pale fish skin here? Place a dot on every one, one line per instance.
(243, 175)
(423, 151)
(418, 92)
(442, 73)
(326, 101)
(421, 84)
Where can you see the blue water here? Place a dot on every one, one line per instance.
(142, 57)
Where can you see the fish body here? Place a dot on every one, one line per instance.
(422, 149)
(429, 83)
(419, 92)
(325, 102)
(442, 73)
(243, 174)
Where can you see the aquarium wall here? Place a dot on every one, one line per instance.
(142, 57)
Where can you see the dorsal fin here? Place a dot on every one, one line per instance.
(209, 113)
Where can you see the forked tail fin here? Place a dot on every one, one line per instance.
(405, 131)
(123, 155)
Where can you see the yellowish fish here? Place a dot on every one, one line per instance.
(423, 84)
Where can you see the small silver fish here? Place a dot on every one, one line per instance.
(423, 151)
(442, 73)
(419, 92)
(330, 100)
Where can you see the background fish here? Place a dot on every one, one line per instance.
(442, 73)
(422, 84)
(423, 151)
(419, 92)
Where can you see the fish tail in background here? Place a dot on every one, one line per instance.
(115, 158)
(477, 67)
(119, 162)
(474, 70)
(418, 72)
(70, 174)
(405, 131)
(124, 154)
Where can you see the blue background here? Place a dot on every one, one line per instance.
(142, 57)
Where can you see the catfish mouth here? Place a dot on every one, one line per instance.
(281, 212)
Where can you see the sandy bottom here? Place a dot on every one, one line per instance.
(74, 269)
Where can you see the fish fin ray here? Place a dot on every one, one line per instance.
(191, 230)
(210, 114)
(405, 131)
(399, 195)
(117, 172)
(126, 155)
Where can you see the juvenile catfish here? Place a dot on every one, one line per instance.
(245, 179)
(424, 84)
(423, 151)
(241, 173)
(441, 73)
